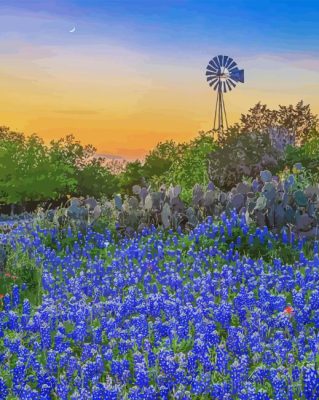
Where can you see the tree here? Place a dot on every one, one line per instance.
(161, 158)
(192, 167)
(71, 151)
(258, 118)
(27, 171)
(96, 180)
(298, 120)
(189, 166)
(132, 175)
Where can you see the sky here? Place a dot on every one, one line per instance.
(132, 74)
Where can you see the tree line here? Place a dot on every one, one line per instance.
(32, 172)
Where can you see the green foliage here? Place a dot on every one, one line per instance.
(302, 178)
(21, 269)
(132, 175)
(27, 171)
(160, 159)
(93, 179)
(192, 167)
(307, 154)
(31, 171)
(70, 151)
(189, 165)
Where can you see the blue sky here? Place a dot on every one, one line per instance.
(252, 26)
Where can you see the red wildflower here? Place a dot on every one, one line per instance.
(289, 311)
(1, 296)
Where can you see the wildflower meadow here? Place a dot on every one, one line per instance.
(162, 315)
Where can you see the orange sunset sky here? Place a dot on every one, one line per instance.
(133, 73)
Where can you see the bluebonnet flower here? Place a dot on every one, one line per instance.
(311, 383)
(62, 388)
(186, 300)
(3, 389)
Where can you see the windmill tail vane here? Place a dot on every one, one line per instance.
(222, 74)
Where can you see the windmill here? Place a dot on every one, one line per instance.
(222, 74)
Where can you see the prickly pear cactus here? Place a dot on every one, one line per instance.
(118, 202)
(166, 216)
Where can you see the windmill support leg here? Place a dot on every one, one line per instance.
(220, 115)
(216, 107)
(220, 122)
(225, 113)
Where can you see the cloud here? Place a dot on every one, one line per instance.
(298, 59)
(14, 46)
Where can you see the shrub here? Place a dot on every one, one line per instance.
(242, 155)
(307, 155)
(189, 166)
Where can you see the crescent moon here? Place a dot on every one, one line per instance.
(72, 30)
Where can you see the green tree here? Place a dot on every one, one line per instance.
(307, 154)
(161, 158)
(189, 165)
(71, 152)
(94, 179)
(27, 173)
(132, 175)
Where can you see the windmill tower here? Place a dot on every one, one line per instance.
(222, 74)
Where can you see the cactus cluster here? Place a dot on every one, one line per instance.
(266, 201)
(78, 212)
(274, 203)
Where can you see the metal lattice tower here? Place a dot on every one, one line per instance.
(222, 74)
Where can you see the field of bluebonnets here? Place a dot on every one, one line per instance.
(222, 306)
(162, 315)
